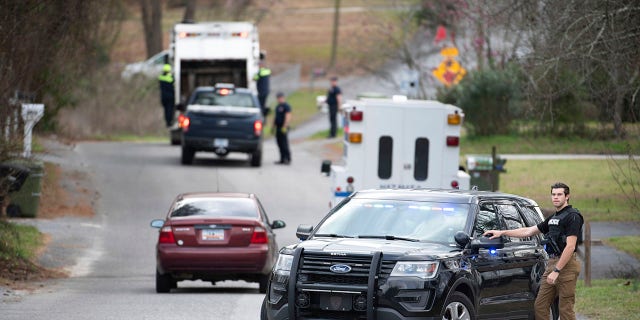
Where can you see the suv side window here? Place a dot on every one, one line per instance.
(487, 219)
(513, 220)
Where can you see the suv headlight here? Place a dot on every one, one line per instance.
(419, 269)
(283, 264)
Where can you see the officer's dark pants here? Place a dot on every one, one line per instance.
(168, 106)
(333, 120)
(564, 288)
(283, 145)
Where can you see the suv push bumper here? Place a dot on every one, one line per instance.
(380, 314)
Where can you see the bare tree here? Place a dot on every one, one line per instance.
(152, 25)
(189, 11)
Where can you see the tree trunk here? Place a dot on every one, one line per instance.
(189, 11)
(152, 25)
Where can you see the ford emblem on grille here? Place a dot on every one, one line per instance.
(340, 268)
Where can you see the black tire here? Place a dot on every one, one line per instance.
(263, 310)
(264, 284)
(13, 211)
(176, 137)
(187, 155)
(164, 282)
(458, 307)
(256, 158)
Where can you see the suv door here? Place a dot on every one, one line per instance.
(506, 272)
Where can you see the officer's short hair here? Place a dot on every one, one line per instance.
(279, 94)
(562, 185)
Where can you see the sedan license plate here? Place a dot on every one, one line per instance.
(221, 143)
(212, 234)
(335, 302)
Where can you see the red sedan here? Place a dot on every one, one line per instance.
(215, 237)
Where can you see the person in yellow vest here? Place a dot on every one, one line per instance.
(262, 79)
(167, 95)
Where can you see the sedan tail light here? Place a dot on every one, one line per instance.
(259, 236)
(166, 235)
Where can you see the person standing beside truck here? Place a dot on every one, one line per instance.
(563, 231)
(262, 79)
(281, 123)
(167, 95)
(334, 100)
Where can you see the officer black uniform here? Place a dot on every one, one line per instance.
(334, 94)
(281, 125)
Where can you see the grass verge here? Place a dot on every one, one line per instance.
(609, 299)
(628, 244)
(594, 191)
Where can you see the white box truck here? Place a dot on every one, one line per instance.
(398, 143)
(207, 53)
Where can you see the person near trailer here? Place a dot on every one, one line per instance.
(281, 122)
(167, 94)
(334, 100)
(262, 78)
(563, 233)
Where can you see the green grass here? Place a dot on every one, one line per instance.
(593, 190)
(544, 145)
(18, 241)
(303, 108)
(628, 244)
(609, 299)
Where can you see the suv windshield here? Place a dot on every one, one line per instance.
(424, 221)
(237, 99)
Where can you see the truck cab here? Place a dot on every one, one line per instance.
(398, 143)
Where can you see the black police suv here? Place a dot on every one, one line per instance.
(411, 254)
(222, 119)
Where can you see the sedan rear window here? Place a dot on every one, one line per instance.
(215, 207)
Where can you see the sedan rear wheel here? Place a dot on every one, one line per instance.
(264, 284)
(164, 283)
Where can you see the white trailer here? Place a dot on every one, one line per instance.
(398, 143)
(207, 53)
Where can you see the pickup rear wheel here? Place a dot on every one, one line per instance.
(458, 307)
(256, 158)
(187, 155)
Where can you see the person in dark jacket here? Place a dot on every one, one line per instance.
(334, 100)
(563, 231)
(281, 124)
(167, 95)
(262, 79)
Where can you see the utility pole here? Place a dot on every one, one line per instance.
(334, 43)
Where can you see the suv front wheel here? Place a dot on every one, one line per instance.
(458, 307)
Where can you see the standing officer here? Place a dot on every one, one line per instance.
(334, 100)
(564, 232)
(167, 95)
(262, 79)
(281, 123)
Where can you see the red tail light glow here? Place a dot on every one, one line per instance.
(166, 235)
(257, 127)
(184, 122)
(356, 115)
(259, 236)
(453, 141)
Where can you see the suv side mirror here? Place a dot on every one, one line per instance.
(486, 243)
(462, 239)
(278, 224)
(303, 232)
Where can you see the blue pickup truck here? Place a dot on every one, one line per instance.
(222, 119)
